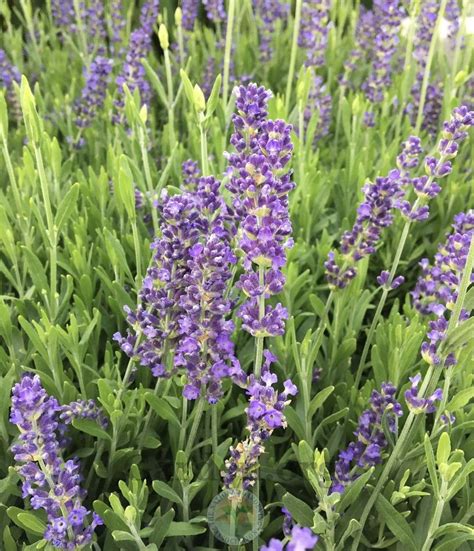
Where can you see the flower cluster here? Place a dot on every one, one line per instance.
(373, 215)
(215, 10)
(418, 405)
(83, 409)
(425, 26)
(94, 92)
(320, 102)
(314, 31)
(300, 539)
(184, 298)
(190, 12)
(297, 538)
(437, 288)
(264, 415)
(191, 174)
(133, 73)
(269, 13)
(389, 16)
(52, 483)
(425, 187)
(8, 75)
(260, 183)
(371, 441)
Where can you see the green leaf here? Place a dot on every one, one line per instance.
(444, 448)
(396, 523)
(184, 529)
(319, 399)
(36, 270)
(166, 491)
(213, 100)
(91, 427)
(299, 510)
(162, 408)
(28, 521)
(67, 206)
(430, 463)
(461, 399)
(161, 528)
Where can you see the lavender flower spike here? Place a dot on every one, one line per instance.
(94, 92)
(51, 483)
(425, 187)
(264, 415)
(314, 31)
(260, 183)
(299, 538)
(371, 441)
(269, 13)
(215, 10)
(8, 75)
(190, 12)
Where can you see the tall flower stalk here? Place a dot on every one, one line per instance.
(260, 182)
(428, 385)
(51, 483)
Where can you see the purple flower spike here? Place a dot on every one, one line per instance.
(260, 182)
(50, 482)
(299, 538)
(373, 214)
(9, 74)
(94, 92)
(371, 441)
(314, 31)
(185, 309)
(389, 16)
(269, 13)
(215, 10)
(419, 405)
(133, 73)
(437, 289)
(190, 12)
(265, 413)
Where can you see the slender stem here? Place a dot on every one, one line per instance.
(198, 411)
(181, 45)
(429, 60)
(138, 253)
(52, 231)
(434, 524)
(184, 420)
(430, 379)
(294, 51)
(169, 82)
(204, 153)
(228, 51)
(82, 36)
(148, 178)
(11, 172)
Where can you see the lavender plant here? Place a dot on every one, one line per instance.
(200, 309)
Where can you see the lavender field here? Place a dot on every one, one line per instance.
(236, 275)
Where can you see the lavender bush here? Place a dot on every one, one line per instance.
(236, 260)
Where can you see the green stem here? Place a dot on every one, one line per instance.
(204, 153)
(184, 421)
(434, 524)
(169, 82)
(198, 411)
(294, 51)
(228, 51)
(426, 75)
(148, 178)
(80, 27)
(52, 232)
